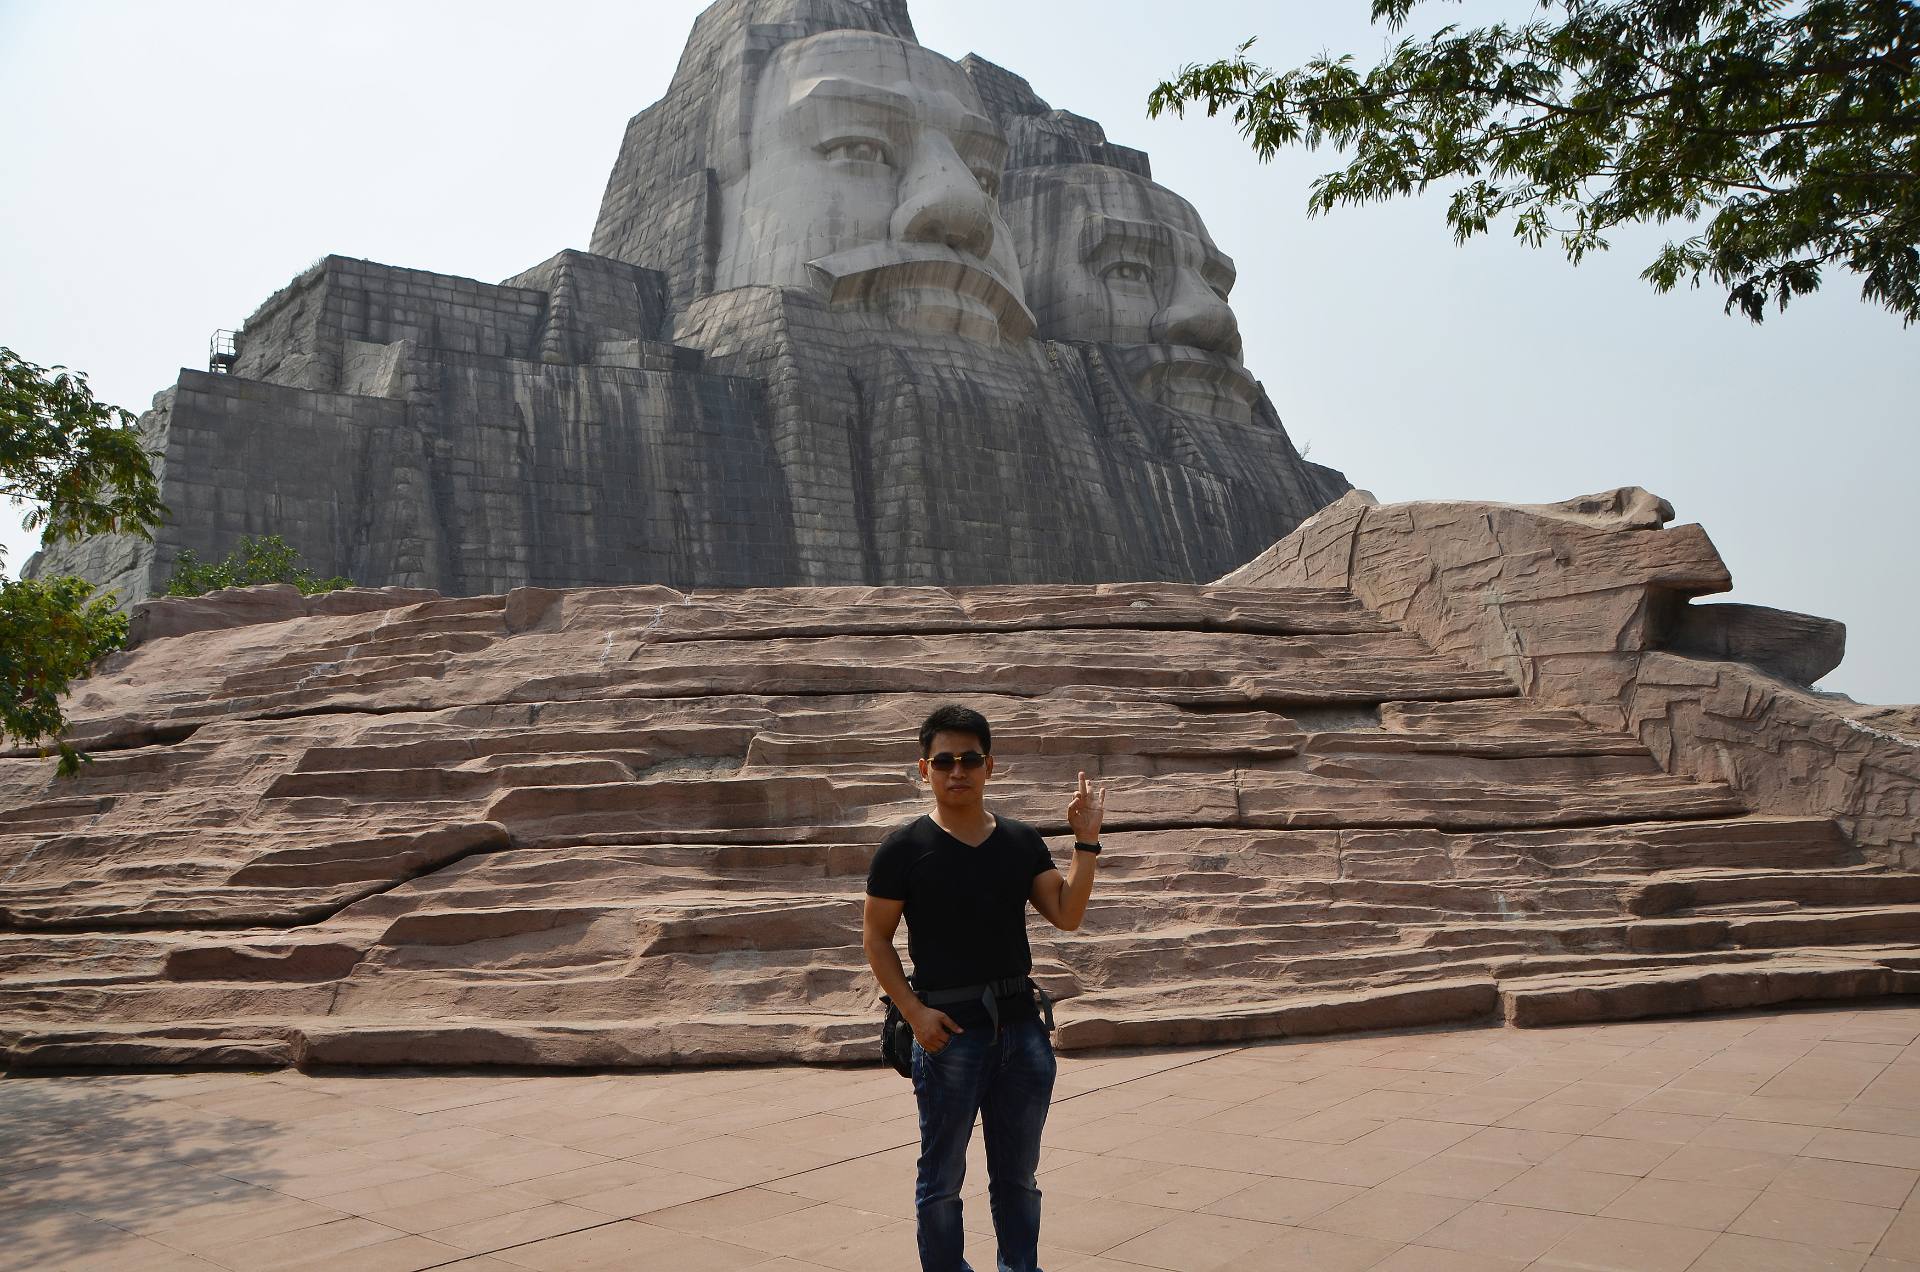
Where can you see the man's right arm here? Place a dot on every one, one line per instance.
(879, 922)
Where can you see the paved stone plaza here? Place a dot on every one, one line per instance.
(1740, 1143)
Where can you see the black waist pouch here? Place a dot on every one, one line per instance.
(896, 1040)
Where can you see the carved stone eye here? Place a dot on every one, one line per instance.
(856, 152)
(1130, 272)
(989, 181)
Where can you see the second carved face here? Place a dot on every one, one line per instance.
(1113, 258)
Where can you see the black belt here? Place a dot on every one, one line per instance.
(989, 996)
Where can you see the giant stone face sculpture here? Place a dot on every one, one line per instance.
(799, 352)
(1111, 257)
(872, 174)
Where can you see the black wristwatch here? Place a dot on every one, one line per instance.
(1079, 846)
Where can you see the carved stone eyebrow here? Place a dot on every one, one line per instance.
(839, 92)
(1101, 234)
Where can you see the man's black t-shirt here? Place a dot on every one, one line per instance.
(966, 908)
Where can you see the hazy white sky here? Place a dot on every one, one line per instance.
(169, 165)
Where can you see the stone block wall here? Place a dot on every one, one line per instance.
(299, 337)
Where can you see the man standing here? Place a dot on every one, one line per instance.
(963, 877)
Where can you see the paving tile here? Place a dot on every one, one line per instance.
(1419, 1258)
(402, 1254)
(1732, 1252)
(805, 1233)
(1197, 1243)
(1185, 1188)
(1733, 1167)
(259, 1221)
(1348, 1164)
(718, 1214)
(517, 1227)
(1416, 1135)
(1794, 1112)
(1312, 1250)
(1387, 1216)
(605, 1175)
(1282, 1200)
(621, 1247)
(517, 1162)
(1186, 1146)
(1847, 1181)
(1548, 1115)
(1517, 1147)
(1818, 1221)
(1329, 1127)
(1767, 1137)
(1682, 1203)
(1659, 1128)
(1475, 1110)
(406, 1192)
(1600, 1094)
(1580, 1192)
(1612, 1156)
(337, 1241)
(889, 1246)
(1902, 1239)
(1814, 1078)
(1505, 1232)
(650, 1194)
(1447, 1175)
(478, 1202)
(1866, 1146)
(1625, 1245)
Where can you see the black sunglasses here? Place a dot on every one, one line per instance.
(968, 760)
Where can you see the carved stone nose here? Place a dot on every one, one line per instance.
(941, 202)
(1198, 318)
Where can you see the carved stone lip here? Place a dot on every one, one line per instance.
(1190, 379)
(927, 287)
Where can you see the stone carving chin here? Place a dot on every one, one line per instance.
(1114, 258)
(872, 174)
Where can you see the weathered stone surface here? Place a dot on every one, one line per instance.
(800, 352)
(1585, 605)
(1798, 647)
(626, 826)
(244, 606)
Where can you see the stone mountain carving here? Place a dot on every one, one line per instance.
(804, 349)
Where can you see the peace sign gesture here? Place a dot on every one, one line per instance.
(1086, 811)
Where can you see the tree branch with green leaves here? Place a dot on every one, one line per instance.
(1786, 132)
(80, 466)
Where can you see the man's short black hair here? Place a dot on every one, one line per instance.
(954, 718)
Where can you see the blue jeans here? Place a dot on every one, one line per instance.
(1009, 1083)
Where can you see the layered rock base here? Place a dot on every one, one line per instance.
(631, 826)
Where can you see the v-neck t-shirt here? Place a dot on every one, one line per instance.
(966, 907)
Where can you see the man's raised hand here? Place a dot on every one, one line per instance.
(1086, 811)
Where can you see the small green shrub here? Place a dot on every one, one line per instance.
(268, 559)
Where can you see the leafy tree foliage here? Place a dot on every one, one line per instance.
(1793, 123)
(77, 461)
(51, 633)
(79, 464)
(268, 559)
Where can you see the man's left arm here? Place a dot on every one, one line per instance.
(1062, 899)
